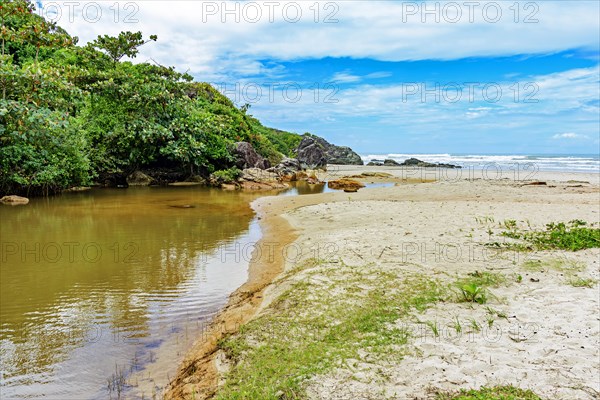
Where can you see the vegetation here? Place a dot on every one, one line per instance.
(71, 115)
(490, 393)
(573, 235)
(328, 317)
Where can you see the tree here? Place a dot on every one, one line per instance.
(126, 44)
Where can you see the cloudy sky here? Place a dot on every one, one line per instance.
(383, 76)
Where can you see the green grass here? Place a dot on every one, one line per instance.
(331, 315)
(490, 393)
(573, 235)
(581, 282)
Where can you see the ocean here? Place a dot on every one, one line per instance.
(539, 162)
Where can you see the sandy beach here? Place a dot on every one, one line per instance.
(407, 249)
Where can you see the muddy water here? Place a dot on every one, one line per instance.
(103, 289)
(102, 292)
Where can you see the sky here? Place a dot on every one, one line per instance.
(479, 77)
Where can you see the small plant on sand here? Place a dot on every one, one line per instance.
(475, 325)
(434, 327)
(457, 326)
(473, 293)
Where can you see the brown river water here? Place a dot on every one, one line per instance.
(102, 292)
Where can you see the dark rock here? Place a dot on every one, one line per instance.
(311, 153)
(286, 168)
(315, 152)
(391, 163)
(138, 178)
(246, 157)
(415, 162)
(374, 163)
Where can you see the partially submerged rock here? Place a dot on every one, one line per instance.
(347, 185)
(14, 200)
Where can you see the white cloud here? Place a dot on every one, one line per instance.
(193, 36)
(343, 77)
(569, 135)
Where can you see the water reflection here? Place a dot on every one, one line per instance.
(88, 280)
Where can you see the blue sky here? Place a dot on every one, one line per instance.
(383, 76)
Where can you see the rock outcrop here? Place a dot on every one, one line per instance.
(411, 162)
(246, 157)
(415, 162)
(259, 179)
(287, 169)
(347, 185)
(14, 200)
(315, 152)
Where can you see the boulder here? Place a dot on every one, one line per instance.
(347, 185)
(14, 200)
(138, 178)
(287, 169)
(246, 157)
(311, 153)
(316, 152)
(391, 163)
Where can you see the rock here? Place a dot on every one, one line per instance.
(259, 175)
(287, 169)
(348, 185)
(311, 153)
(315, 152)
(412, 161)
(246, 157)
(138, 178)
(258, 179)
(391, 163)
(369, 174)
(415, 162)
(374, 164)
(14, 200)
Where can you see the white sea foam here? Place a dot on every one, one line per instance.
(546, 162)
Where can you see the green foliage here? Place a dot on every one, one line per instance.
(574, 235)
(126, 44)
(72, 114)
(473, 293)
(230, 175)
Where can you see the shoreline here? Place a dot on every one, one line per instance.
(206, 363)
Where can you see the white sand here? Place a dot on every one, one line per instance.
(549, 340)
